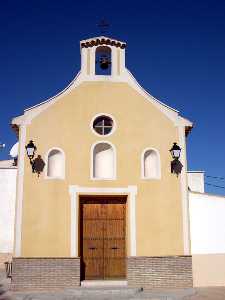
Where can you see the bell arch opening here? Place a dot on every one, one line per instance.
(103, 60)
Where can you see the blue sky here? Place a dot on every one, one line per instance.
(176, 50)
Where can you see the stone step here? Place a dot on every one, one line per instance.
(99, 283)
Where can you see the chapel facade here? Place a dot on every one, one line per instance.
(105, 204)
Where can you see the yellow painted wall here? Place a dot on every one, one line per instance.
(66, 124)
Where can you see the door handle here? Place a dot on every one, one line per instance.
(114, 248)
(92, 248)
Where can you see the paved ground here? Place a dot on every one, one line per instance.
(184, 294)
(211, 293)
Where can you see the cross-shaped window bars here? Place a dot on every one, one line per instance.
(103, 125)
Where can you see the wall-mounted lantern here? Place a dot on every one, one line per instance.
(37, 163)
(176, 165)
(31, 149)
(175, 151)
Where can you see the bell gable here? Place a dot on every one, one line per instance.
(108, 55)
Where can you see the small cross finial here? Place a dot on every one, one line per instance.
(103, 26)
(2, 145)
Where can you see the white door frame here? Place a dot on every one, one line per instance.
(76, 190)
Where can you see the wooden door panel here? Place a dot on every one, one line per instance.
(93, 258)
(103, 228)
(92, 211)
(93, 248)
(114, 248)
(92, 229)
(114, 229)
(92, 239)
(94, 268)
(114, 268)
(115, 210)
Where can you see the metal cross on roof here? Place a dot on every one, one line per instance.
(103, 25)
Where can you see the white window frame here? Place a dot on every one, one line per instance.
(46, 164)
(114, 161)
(158, 177)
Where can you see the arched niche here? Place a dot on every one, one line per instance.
(55, 163)
(103, 161)
(151, 167)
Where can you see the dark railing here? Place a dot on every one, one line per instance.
(8, 269)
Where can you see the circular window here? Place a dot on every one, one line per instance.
(103, 125)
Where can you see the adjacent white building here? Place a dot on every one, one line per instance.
(7, 204)
(207, 228)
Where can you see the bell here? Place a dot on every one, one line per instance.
(104, 63)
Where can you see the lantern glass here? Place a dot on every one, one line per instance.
(175, 151)
(30, 151)
(31, 148)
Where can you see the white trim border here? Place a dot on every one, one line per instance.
(19, 192)
(75, 191)
(184, 193)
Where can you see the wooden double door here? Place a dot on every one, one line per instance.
(103, 237)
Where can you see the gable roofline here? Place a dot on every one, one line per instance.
(125, 77)
(33, 111)
(149, 95)
(170, 112)
(73, 81)
(53, 97)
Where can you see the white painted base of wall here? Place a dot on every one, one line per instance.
(208, 270)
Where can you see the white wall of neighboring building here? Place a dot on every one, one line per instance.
(196, 181)
(207, 227)
(207, 223)
(7, 205)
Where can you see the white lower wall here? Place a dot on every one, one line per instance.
(207, 223)
(7, 208)
(207, 226)
(208, 270)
